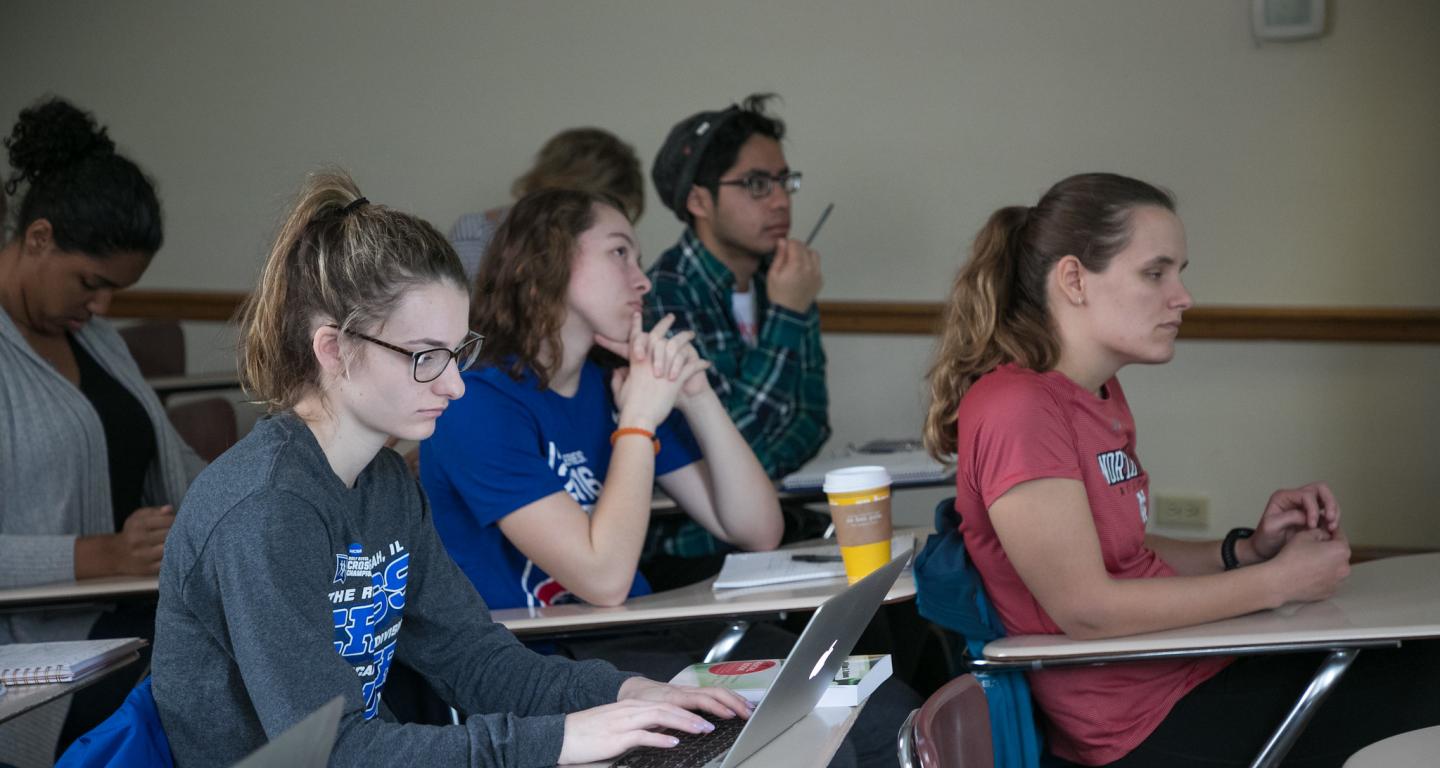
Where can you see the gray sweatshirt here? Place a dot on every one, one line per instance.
(280, 588)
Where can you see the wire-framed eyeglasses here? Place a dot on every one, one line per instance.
(426, 365)
(760, 184)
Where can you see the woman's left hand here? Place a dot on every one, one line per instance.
(698, 385)
(1290, 510)
(720, 702)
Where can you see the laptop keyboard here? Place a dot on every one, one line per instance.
(693, 751)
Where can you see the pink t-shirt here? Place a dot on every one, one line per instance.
(1017, 425)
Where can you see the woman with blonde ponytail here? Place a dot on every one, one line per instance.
(305, 562)
(1053, 499)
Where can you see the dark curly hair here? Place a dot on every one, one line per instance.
(97, 202)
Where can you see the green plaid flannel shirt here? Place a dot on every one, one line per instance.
(775, 391)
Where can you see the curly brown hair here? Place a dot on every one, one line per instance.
(519, 296)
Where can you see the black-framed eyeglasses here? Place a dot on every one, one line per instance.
(760, 184)
(426, 365)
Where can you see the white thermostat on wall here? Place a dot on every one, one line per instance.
(1286, 20)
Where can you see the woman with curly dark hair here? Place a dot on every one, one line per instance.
(90, 467)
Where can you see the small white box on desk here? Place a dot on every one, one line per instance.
(858, 677)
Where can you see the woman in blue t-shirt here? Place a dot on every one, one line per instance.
(540, 477)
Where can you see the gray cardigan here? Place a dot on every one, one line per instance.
(55, 484)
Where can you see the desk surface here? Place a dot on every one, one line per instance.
(695, 602)
(1415, 749)
(88, 590)
(19, 699)
(194, 382)
(1390, 599)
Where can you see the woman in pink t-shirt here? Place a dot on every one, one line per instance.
(1054, 301)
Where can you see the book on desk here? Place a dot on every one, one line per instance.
(62, 661)
(856, 679)
(908, 467)
(786, 566)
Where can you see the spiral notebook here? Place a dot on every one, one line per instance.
(61, 662)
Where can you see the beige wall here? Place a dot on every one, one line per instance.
(1305, 171)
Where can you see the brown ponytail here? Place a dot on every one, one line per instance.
(997, 310)
(337, 259)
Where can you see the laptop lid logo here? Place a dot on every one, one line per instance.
(819, 665)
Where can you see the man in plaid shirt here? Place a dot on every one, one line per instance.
(740, 283)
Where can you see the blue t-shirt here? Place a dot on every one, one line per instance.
(508, 443)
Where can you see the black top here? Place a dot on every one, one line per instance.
(129, 435)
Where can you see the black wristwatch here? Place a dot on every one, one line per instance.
(1227, 547)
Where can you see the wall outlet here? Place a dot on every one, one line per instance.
(1185, 511)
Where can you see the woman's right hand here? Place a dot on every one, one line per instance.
(645, 392)
(134, 551)
(606, 731)
(1312, 564)
(141, 541)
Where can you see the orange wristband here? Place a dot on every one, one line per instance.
(621, 432)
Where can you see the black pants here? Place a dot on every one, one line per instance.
(92, 704)
(1227, 719)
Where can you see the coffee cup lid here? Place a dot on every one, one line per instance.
(852, 479)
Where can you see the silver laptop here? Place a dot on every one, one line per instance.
(807, 671)
(306, 744)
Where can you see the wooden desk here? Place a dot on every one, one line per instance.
(19, 699)
(1383, 603)
(1415, 749)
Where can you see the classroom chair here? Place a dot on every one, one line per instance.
(158, 347)
(949, 593)
(950, 730)
(208, 424)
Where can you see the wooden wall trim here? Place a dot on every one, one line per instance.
(1238, 323)
(176, 305)
(1356, 324)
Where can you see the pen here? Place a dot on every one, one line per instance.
(815, 558)
(825, 214)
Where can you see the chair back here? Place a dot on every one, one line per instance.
(158, 347)
(207, 425)
(951, 729)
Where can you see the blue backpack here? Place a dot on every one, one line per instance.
(948, 592)
(130, 738)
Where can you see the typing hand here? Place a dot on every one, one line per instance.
(720, 702)
(604, 732)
